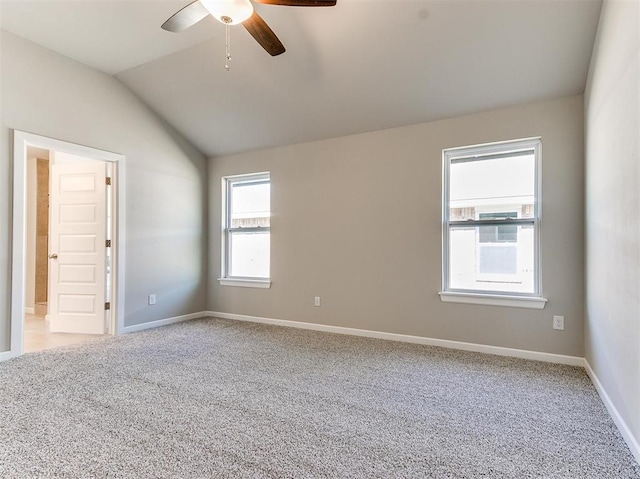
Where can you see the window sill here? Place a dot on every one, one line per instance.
(246, 283)
(493, 299)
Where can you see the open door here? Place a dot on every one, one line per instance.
(78, 248)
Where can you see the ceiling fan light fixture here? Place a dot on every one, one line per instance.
(229, 12)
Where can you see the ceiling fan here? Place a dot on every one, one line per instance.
(232, 12)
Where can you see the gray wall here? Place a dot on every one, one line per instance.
(51, 95)
(612, 119)
(357, 221)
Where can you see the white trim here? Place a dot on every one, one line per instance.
(30, 310)
(162, 322)
(493, 146)
(405, 338)
(245, 283)
(21, 140)
(18, 257)
(493, 300)
(225, 259)
(627, 435)
(5, 356)
(119, 234)
(477, 152)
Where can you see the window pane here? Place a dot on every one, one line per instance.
(250, 204)
(498, 233)
(249, 254)
(497, 259)
(482, 186)
(485, 262)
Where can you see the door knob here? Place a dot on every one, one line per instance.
(53, 256)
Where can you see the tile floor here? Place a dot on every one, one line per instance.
(37, 336)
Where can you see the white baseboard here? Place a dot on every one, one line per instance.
(443, 343)
(161, 322)
(620, 423)
(6, 355)
(29, 310)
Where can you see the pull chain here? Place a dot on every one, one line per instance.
(228, 47)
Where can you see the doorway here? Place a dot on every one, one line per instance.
(85, 275)
(66, 258)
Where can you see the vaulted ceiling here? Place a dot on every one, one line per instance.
(359, 66)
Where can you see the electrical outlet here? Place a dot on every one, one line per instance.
(558, 322)
(316, 302)
(152, 299)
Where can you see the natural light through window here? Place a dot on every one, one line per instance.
(491, 219)
(247, 227)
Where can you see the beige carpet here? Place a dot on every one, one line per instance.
(222, 399)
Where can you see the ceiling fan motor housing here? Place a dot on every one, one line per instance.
(229, 12)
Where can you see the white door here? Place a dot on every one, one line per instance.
(77, 249)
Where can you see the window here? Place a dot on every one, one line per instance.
(491, 222)
(246, 230)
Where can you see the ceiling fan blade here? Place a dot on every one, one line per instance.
(259, 30)
(186, 17)
(299, 3)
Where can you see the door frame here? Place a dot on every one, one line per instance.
(21, 140)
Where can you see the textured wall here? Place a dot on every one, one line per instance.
(166, 177)
(357, 221)
(612, 123)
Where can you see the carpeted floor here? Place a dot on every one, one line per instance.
(222, 399)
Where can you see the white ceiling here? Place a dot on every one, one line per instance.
(362, 65)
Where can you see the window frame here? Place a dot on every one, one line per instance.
(227, 231)
(476, 153)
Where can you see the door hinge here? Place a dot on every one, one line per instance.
(107, 306)
(108, 243)
(108, 180)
